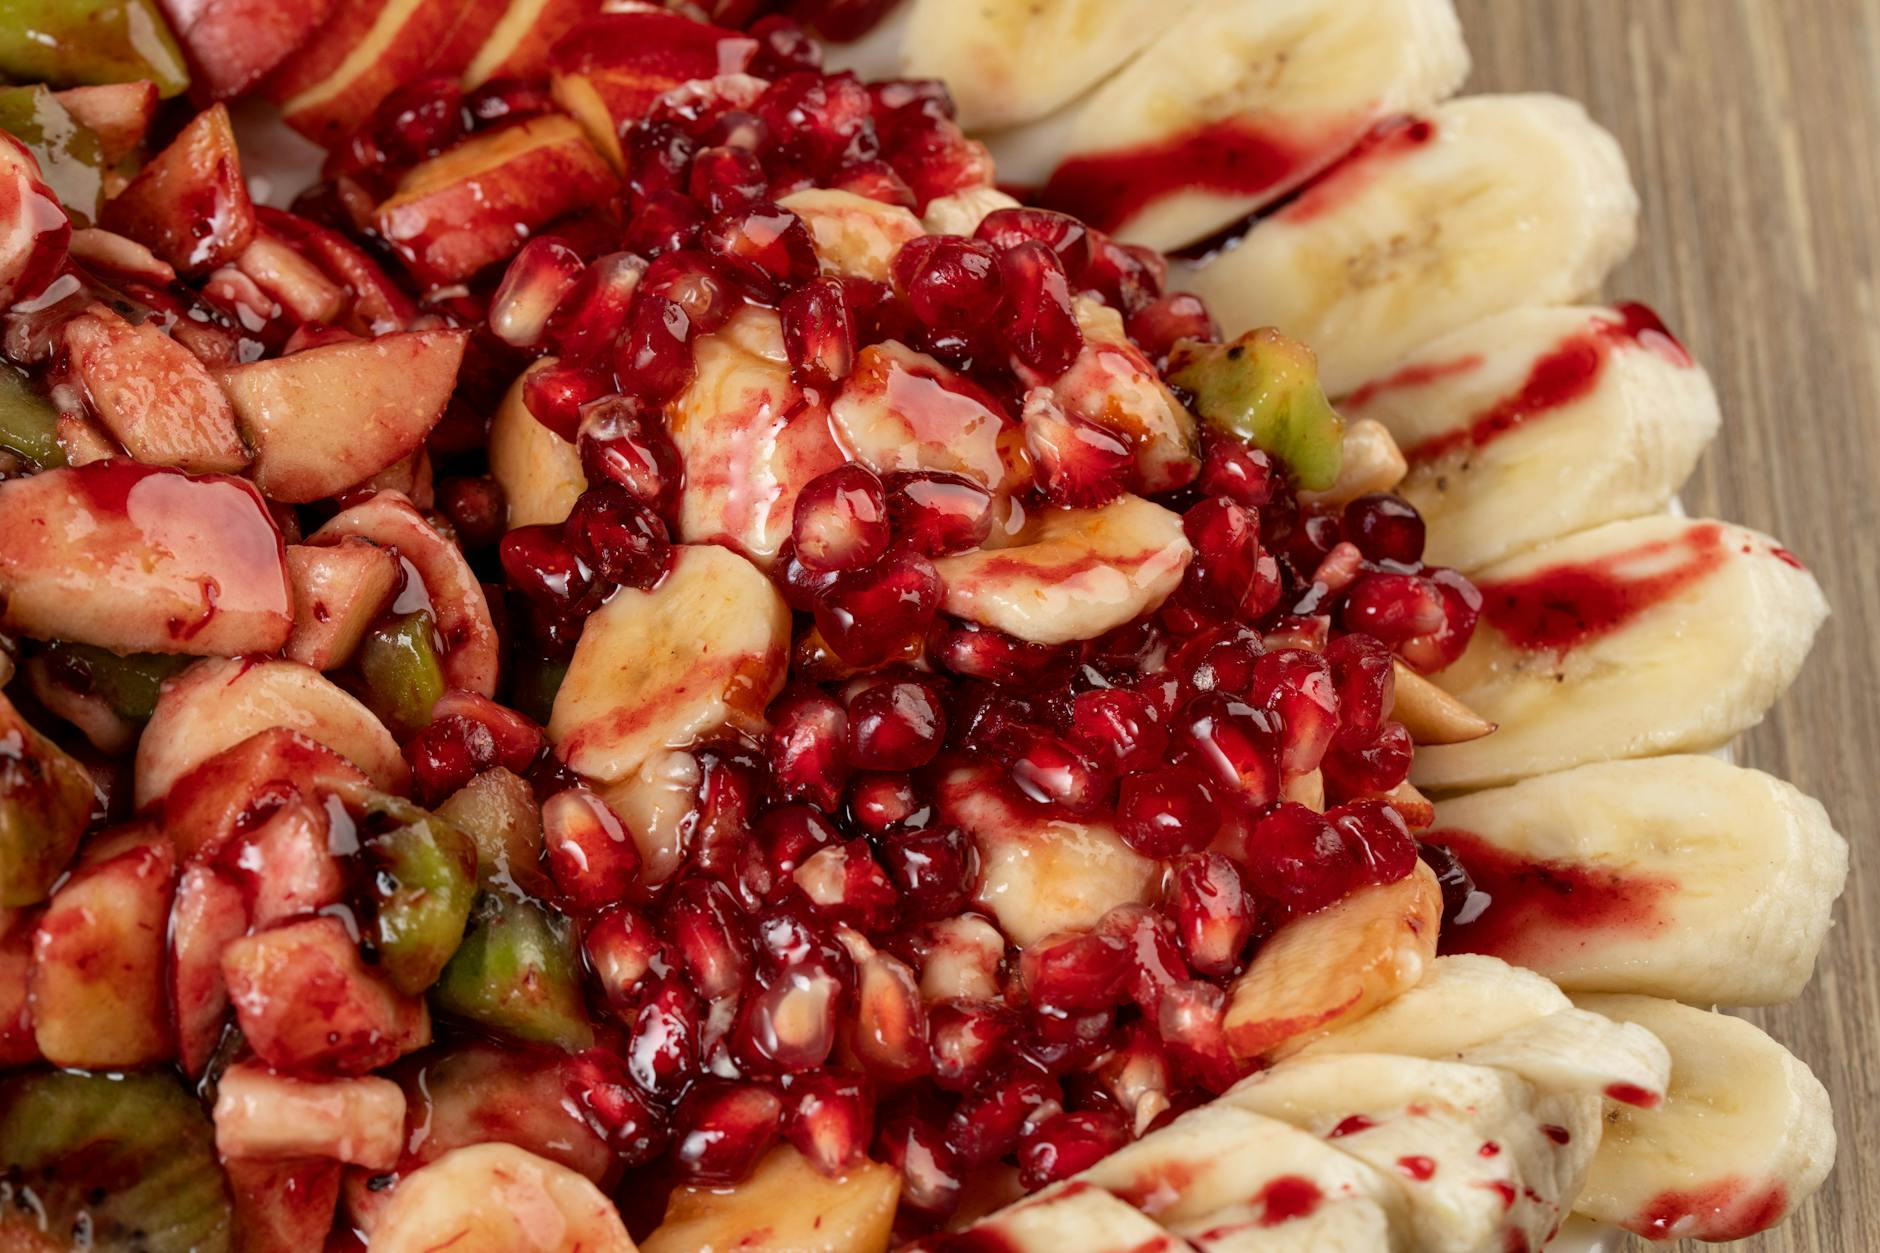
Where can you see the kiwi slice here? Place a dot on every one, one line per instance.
(424, 878)
(115, 1163)
(1264, 389)
(517, 974)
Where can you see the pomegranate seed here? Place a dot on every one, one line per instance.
(782, 47)
(711, 935)
(933, 870)
(790, 934)
(1162, 323)
(1380, 833)
(1462, 605)
(978, 653)
(1214, 914)
(874, 180)
(1462, 903)
(730, 784)
(668, 221)
(624, 443)
(1370, 769)
(808, 748)
(789, 1025)
(1235, 744)
(419, 120)
(841, 519)
(766, 247)
(476, 507)
(1060, 1043)
(688, 278)
(654, 357)
(662, 1050)
(785, 837)
(1127, 276)
(948, 282)
(1385, 528)
(539, 278)
(584, 326)
(1076, 971)
(1075, 462)
(623, 950)
(819, 333)
(1134, 1076)
(989, 1122)
(1155, 960)
(1037, 318)
(865, 615)
(881, 803)
(1118, 729)
(1297, 685)
(1367, 687)
(822, 121)
(546, 570)
(1168, 810)
(727, 1127)
(1006, 229)
(938, 514)
(847, 885)
(1051, 772)
(843, 21)
(889, 1031)
(967, 1040)
(659, 158)
(895, 726)
(554, 396)
(723, 179)
(1298, 858)
(1394, 607)
(1189, 1021)
(506, 100)
(601, 1085)
(1219, 660)
(619, 538)
(1067, 1144)
(1234, 574)
(1241, 474)
(829, 1118)
(591, 857)
(930, 1178)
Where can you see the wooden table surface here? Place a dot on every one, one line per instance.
(1753, 129)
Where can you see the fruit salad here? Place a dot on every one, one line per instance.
(801, 627)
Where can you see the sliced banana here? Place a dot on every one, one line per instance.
(1578, 1051)
(1537, 423)
(855, 236)
(1744, 1136)
(1342, 1227)
(1684, 877)
(1654, 635)
(786, 1205)
(1069, 1216)
(1482, 205)
(540, 471)
(1010, 61)
(1463, 1001)
(497, 1198)
(1233, 105)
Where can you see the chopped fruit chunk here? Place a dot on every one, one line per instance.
(29, 422)
(97, 979)
(70, 155)
(403, 680)
(423, 883)
(338, 591)
(355, 60)
(282, 1206)
(209, 914)
(261, 1114)
(497, 810)
(540, 471)
(70, 42)
(218, 799)
(517, 974)
(189, 205)
(496, 1198)
(152, 394)
(331, 417)
(17, 1045)
(145, 560)
(786, 1204)
(232, 44)
(1264, 389)
(45, 805)
(119, 114)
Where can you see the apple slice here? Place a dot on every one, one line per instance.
(209, 914)
(17, 1045)
(338, 591)
(540, 471)
(190, 204)
(234, 44)
(518, 47)
(151, 393)
(46, 800)
(97, 979)
(364, 52)
(144, 560)
(379, 305)
(457, 604)
(1040, 873)
(203, 810)
(1324, 969)
(282, 1206)
(474, 205)
(785, 1204)
(119, 114)
(704, 651)
(34, 230)
(216, 704)
(330, 417)
(277, 977)
(262, 1114)
(609, 69)
(286, 865)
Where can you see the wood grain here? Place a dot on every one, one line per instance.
(1753, 129)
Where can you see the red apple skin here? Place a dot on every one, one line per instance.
(327, 97)
(140, 559)
(151, 393)
(209, 913)
(203, 810)
(475, 23)
(519, 45)
(331, 417)
(282, 1206)
(17, 1045)
(234, 44)
(473, 206)
(118, 113)
(97, 978)
(379, 305)
(197, 179)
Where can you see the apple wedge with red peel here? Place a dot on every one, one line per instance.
(462, 614)
(190, 204)
(307, 1002)
(209, 914)
(219, 702)
(467, 208)
(207, 807)
(367, 50)
(152, 394)
(119, 114)
(282, 1206)
(296, 284)
(379, 305)
(145, 560)
(98, 955)
(338, 590)
(234, 44)
(703, 652)
(476, 22)
(518, 46)
(331, 417)
(46, 799)
(609, 69)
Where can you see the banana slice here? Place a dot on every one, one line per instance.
(1537, 423)
(1463, 1001)
(855, 236)
(1232, 106)
(1069, 1215)
(497, 1198)
(1010, 61)
(1684, 877)
(1472, 1149)
(1485, 204)
(540, 471)
(1744, 1136)
(1344, 1227)
(1655, 635)
(785, 1206)
(1577, 1051)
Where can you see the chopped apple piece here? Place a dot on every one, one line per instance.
(154, 396)
(233, 44)
(903, 410)
(17, 1046)
(339, 589)
(262, 1114)
(458, 606)
(189, 205)
(786, 1206)
(34, 230)
(331, 417)
(287, 865)
(705, 651)
(45, 803)
(203, 810)
(497, 1198)
(1039, 873)
(498, 811)
(69, 156)
(282, 1206)
(1323, 969)
(608, 70)
(1073, 573)
(97, 979)
(89, 41)
(540, 471)
(379, 305)
(216, 704)
(474, 205)
(119, 114)
(519, 45)
(144, 560)
(303, 292)
(359, 56)
(307, 1002)
(209, 914)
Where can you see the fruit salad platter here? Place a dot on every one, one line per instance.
(840, 625)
